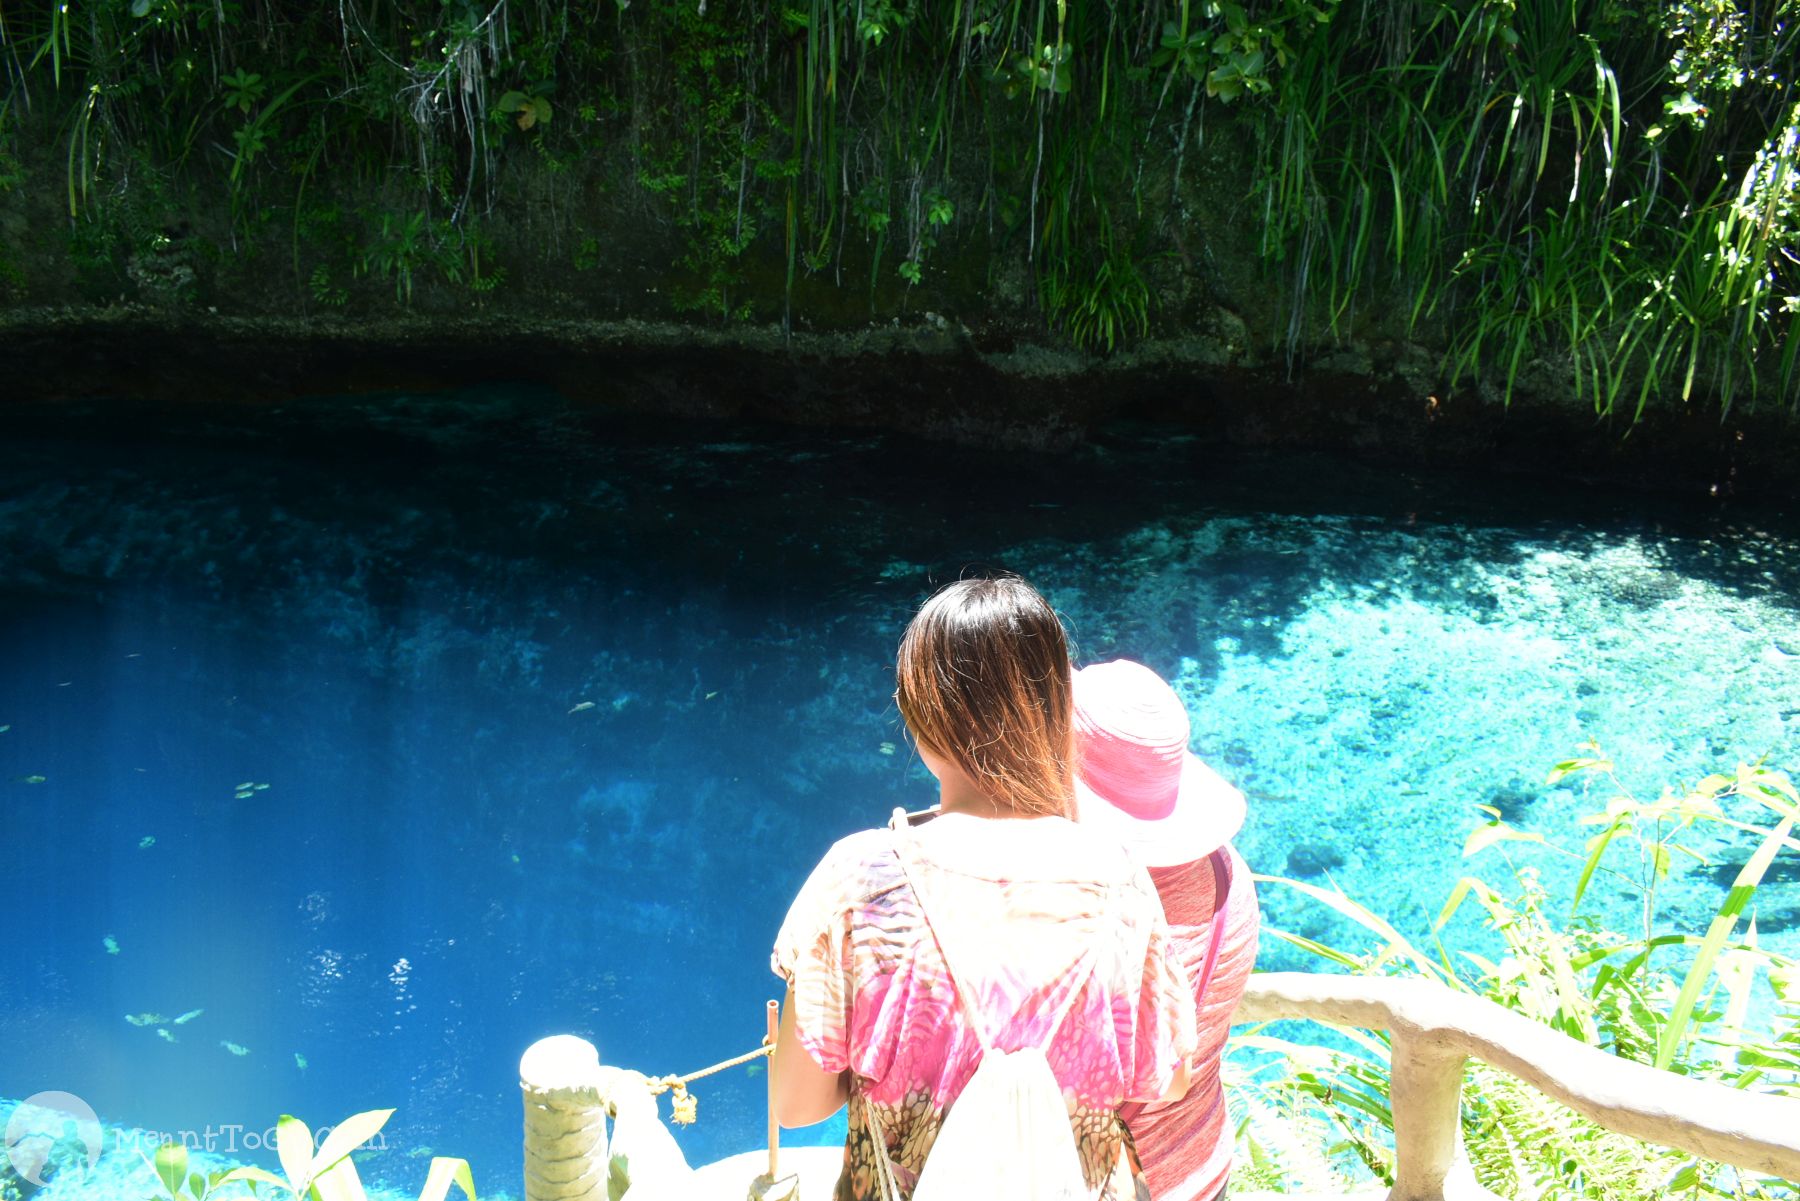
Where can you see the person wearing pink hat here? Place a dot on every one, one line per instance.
(1137, 779)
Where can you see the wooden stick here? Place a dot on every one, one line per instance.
(774, 1015)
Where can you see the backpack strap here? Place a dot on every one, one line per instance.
(886, 1186)
(1221, 869)
(910, 865)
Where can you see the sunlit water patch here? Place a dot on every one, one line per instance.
(385, 736)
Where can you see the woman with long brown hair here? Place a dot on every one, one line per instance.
(1057, 940)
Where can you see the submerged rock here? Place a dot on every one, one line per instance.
(1313, 859)
(1772, 918)
(1644, 587)
(1513, 800)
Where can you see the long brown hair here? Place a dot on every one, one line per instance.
(984, 681)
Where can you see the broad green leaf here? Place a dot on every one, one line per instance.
(1759, 831)
(1596, 848)
(1343, 905)
(347, 1136)
(1737, 970)
(1742, 889)
(1484, 836)
(339, 1182)
(1457, 895)
(1497, 909)
(1487, 967)
(1780, 782)
(1569, 767)
(445, 1172)
(1638, 949)
(255, 1175)
(1779, 798)
(171, 1166)
(294, 1147)
(1317, 948)
(1659, 859)
(1572, 1002)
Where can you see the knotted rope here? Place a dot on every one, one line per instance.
(682, 1103)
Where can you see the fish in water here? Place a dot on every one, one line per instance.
(234, 1048)
(32, 779)
(145, 1019)
(299, 1061)
(162, 1032)
(583, 707)
(146, 842)
(4, 729)
(111, 944)
(189, 1016)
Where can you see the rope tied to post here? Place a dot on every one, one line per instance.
(682, 1103)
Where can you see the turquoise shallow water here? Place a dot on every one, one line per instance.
(544, 714)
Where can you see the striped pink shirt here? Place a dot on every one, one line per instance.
(1047, 909)
(1186, 1147)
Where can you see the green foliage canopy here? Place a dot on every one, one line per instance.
(1591, 195)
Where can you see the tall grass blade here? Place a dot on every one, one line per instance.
(1736, 899)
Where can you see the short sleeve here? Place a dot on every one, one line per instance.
(813, 954)
(1167, 1034)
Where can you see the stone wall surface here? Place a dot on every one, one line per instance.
(922, 377)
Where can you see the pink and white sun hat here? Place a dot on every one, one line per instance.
(1136, 777)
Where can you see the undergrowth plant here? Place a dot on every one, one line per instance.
(309, 1172)
(1581, 196)
(1317, 1115)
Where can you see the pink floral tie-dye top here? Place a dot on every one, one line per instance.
(1049, 919)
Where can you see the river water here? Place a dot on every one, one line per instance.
(349, 745)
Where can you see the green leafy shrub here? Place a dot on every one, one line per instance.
(1574, 195)
(322, 1172)
(1317, 1115)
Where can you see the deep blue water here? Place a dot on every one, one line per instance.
(393, 733)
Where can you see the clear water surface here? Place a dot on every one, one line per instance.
(385, 735)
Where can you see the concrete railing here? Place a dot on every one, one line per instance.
(1433, 1030)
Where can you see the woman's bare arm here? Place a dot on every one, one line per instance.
(1178, 1087)
(805, 1092)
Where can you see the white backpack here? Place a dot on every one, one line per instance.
(1007, 1134)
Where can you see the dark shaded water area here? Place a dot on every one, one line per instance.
(392, 733)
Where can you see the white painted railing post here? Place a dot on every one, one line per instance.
(1425, 1090)
(565, 1121)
